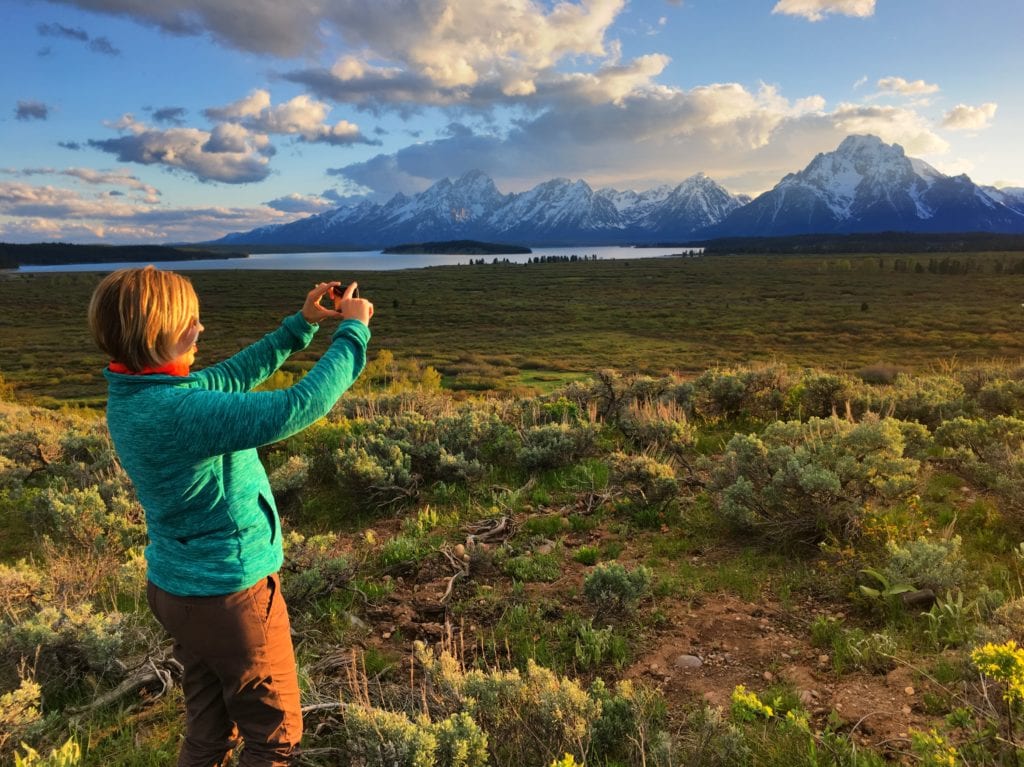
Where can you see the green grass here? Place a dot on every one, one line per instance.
(512, 326)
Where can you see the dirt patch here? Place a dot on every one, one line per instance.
(704, 651)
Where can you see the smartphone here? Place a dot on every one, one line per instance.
(340, 290)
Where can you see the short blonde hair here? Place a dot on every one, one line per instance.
(137, 316)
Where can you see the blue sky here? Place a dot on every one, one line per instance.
(137, 121)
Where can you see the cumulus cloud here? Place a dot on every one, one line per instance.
(964, 117)
(903, 87)
(743, 138)
(302, 116)
(95, 44)
(31, 110)
(190, 150)
(301, 203)
(429, 44)
(816, 10)
(30, 213)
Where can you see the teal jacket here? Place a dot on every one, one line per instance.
(189, 446)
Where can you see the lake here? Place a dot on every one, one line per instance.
(366, 260)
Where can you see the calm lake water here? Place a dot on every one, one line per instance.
(367, 260)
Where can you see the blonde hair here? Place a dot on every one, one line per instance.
(137, 316)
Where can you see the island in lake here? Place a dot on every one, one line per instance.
(458, 248)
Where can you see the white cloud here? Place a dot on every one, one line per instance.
(891, 124)
(231, 157)
(302, 116)
(968, 118)
(301, 203)
(816, 10)
(93, 177)
(31, 213)
(654, 134)
(904, 87)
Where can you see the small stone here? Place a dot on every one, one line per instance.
(386, 635)
(823, 660)
(908, 690)
(807, 697)
(785, 656)
(906, 709)
(545, 548)
(688, 661)
(839, 706)
(768, 676)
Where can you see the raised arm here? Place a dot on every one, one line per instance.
(257, 362)
(212, 422)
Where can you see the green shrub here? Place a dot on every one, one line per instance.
(313, 567)
(821, 395)
(378, 738)
(551, 445)
(460, 742)
(643, 478)
(800, 483)
(19, 711)
(612, 586)
(378, 470)
(68, 643)
(291, 475)
(533, 567)
(927, 399)
(991, 452)
(530, 717)
(587, 555)
(927, 564)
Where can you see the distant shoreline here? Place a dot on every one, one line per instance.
(13, 256)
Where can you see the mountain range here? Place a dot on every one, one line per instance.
(865, 185)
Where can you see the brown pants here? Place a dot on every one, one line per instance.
(240, 676)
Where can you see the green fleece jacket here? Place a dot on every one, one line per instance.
(189, 445)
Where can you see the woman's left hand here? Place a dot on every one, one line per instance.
(312, 311)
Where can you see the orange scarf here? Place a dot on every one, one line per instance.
(173, 368)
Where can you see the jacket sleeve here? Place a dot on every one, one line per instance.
(209, 422)
(257, 362)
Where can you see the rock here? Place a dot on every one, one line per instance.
(386, 635)
(906, 710)
(354, 621)
(807, 698)
(545, 548)
(823, 660)
(688, 661)
(768, 676)
(908, 691)
(921, 599)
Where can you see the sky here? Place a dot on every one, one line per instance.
(128, 121)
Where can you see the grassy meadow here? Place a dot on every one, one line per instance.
(503, 326)
(707, 511)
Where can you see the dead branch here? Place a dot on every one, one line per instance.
(159, 669)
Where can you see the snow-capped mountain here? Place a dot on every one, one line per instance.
(868, 186)
(471, 207)
(865, 185)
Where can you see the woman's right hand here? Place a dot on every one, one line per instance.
(352, 308)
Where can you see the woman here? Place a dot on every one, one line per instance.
(188, 441)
